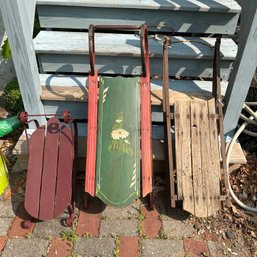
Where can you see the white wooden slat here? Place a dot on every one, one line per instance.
(76, 17)
(129, 45)
(126, 65)
(66, 52)
(190, 5)
(244, 69)
(23, 54)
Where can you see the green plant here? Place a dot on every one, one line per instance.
(141, 214)
(29, 235)
(116, 251)
(69, 235)
(12, 96)
(6, 51)
(163, 234)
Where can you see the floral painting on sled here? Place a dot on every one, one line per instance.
(120, 138)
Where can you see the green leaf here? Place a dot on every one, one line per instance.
(6, 51)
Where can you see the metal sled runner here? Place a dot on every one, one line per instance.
(119, 131)
(51, 174)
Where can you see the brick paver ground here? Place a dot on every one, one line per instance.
(100, 230)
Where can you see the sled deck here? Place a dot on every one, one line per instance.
(50, 179)
(119, 131)
(198, 124)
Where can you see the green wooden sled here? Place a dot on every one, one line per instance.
(119, 132)
(118, 147)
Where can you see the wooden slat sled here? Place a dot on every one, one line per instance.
(197, 153)
(50, 176)
(119, 131)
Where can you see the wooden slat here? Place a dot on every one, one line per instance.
(64, 52)
(127, 65)
(183, 155)
(157, 20)
(210, 184)
(48, 184)
(51, 82)
(214, 181)
(110, 44)
(198, 183)
(181, 90)
(192, 5)
(63, 192)
(57, 89)
(34, 174)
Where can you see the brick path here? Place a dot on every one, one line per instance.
(106, 231)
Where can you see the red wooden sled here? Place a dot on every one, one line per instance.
(146, 124)
(50, 183)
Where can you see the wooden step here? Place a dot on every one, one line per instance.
(70, 92)
(120, 54)
(219, 16)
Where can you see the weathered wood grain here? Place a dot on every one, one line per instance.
(244, 68)
(197, 172)
(215, 160)
(183, 155)
(77, 17)
(197, 156)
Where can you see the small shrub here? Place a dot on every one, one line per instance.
(12, 96)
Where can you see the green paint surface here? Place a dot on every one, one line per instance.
(118, 142)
